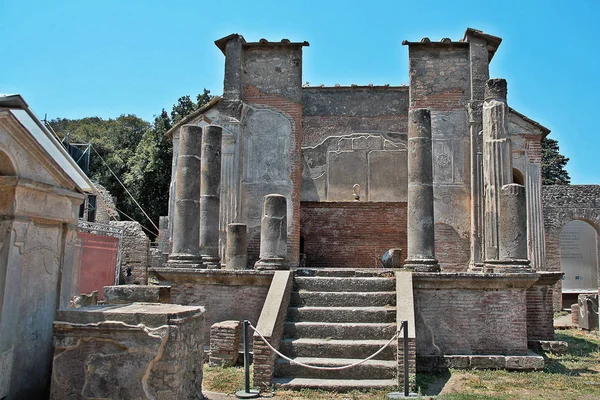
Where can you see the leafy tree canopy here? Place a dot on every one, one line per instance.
(137, 152)
(553, 164)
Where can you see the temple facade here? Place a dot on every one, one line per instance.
(340, 155)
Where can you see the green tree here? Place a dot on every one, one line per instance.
(138, 153)
(553, 164)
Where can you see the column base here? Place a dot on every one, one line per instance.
(179, 260)
(211, 262)
(506, 266)
(274, 263)
(422, 265)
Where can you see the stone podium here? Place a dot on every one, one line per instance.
(135, 351)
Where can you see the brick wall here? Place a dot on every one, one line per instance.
(451, 250)
(351, 234)
(439, 76)
(135, 251)
(227, 295)
(470, 320)
(335, 111)
(540, 313)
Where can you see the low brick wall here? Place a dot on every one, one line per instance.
(226, 294)
(540, 308)
(470, 314)
(135, 252)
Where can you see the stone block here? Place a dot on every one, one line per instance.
(457, 362)
(126, 294)
(135, 351)
(525, 363)
(487, 362)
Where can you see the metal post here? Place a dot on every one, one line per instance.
(405, 342)
(247, 393)
(405, 362)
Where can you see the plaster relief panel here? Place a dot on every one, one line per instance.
(388, 172)
(268, 146)
(375, 161)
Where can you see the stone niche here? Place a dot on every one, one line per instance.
(135, 351)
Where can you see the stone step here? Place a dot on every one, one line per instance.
(339, 330)
(342, 314)
(347, 299)
(344, 272)
(335, 385)
(334, 348)
(372, 369)
(348, 284)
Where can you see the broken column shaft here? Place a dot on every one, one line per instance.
(236, 254)
(210, 190)
(497, 162)
(420, 224)
(186, 218)
(512, 240)
(273, 233)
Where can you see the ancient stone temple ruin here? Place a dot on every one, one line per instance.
(321, 182)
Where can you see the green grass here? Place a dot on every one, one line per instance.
(573, 376)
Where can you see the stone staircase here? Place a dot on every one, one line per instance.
(335, 318)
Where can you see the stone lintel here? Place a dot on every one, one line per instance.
(214, 276)
(473, 281)
(152, 315)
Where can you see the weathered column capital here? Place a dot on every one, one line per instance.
(495, 89)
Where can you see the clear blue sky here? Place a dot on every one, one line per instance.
(105, 58)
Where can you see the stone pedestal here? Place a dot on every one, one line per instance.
(236, 256)
(497, 164)
(420, 224)
(210, 188)
(136, 351)
(186, 216)
(224, 343)
(273, 233)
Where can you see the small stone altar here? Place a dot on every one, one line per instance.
(134, 351)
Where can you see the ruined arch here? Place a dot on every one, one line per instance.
(562, 205)
(7, 167)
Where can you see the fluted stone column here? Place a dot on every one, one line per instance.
(273, 233)
(513, 229)
(210, 190)
(236, 253)
(420, 224)
(186, 216)
(497, 163)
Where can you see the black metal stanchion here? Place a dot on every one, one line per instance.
(247, 393)
(405, 362)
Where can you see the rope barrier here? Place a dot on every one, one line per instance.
(324, 368)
